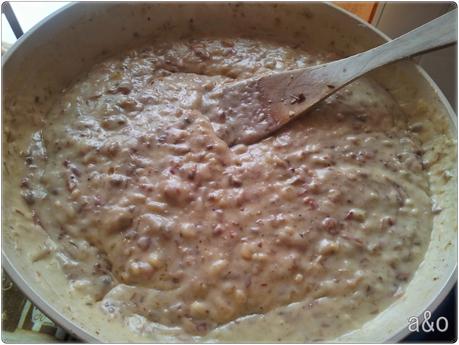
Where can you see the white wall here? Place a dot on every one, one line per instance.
(28, 14)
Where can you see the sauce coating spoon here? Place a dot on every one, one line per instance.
(253, 108)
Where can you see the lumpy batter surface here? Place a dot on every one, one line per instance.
(157, 217)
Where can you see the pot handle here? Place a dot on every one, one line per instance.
(12, 20)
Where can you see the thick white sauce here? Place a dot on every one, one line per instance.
(316, 229)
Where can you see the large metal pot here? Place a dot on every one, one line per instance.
(63, 46)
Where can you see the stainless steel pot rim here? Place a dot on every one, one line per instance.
(79, 332)
(46, 308)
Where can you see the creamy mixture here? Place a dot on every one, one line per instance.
(156, 217)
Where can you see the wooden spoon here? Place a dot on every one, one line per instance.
(252, 109)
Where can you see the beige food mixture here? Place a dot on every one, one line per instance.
(168, 228)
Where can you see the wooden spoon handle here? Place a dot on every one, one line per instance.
(316, 83)
(435, 34)
(277, 98)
